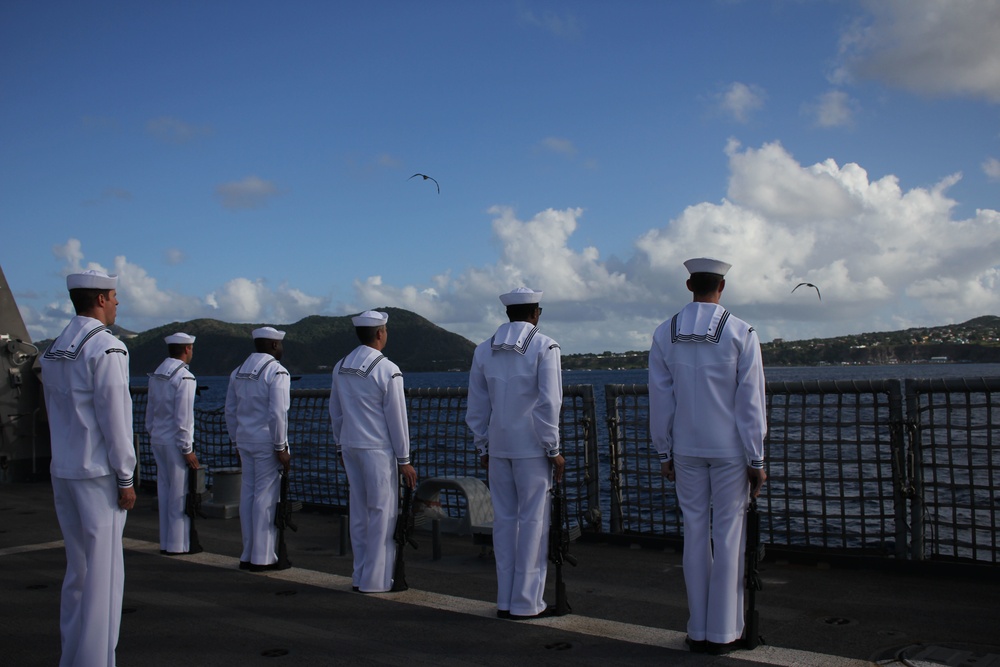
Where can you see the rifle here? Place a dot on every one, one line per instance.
(754, 554)
(403, 535)
(192, 506)
(283, 519)
(559, 539)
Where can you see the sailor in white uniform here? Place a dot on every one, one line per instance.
(170, 424)
(257, 420)
(86, 381)
(707, 422)
(515, 396)
(368, 421)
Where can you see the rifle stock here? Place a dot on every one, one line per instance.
(283, 519)
(559, 539)
(192, 507)
(403, 535)
(754, 554)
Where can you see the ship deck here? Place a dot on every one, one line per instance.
(628, 604)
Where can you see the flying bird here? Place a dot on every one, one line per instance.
(809, 285)
(428, 178)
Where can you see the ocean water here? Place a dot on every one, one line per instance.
(213, 392)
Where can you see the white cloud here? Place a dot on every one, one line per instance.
(145, 305)
(991, 167)
(739, 100)
(939, 47)
(834, 108)
(250, 193)
(884, 257)
(240, 298)
(72, 253)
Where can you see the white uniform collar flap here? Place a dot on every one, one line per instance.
(79, 331)
(360, 361)
(699, 323)
(514, 336)
(254, 366)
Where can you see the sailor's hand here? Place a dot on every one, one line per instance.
(409, 475)
(284, 458)
(558, 466)
(667, 469)
(484, 460)
(126, 498)
(192, 461)
(757, 478)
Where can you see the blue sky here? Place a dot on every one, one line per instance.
(250, 161)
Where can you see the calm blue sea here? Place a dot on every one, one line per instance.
(213, 393)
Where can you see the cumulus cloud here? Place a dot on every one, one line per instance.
(176, 131)
(250, 193)
(144, 304)
(72, 253)
(936, 47)
(885, 257)
(739, 100)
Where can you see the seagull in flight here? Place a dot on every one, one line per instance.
(809, 285)
(428, 178)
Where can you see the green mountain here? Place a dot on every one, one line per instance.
(312, 345)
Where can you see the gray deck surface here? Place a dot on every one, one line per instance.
(628, 604)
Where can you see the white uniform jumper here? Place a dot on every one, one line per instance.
(86, 381)
(707, 413)
(515, 395)
(257, 420)
(170, 424)
(368, 420)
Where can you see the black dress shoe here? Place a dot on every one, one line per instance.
(253, 567)
(503, 613)
(548, 611)
(722, 649)
(244, 565)
(696, 645)
(196, 550)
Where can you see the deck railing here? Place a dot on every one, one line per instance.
(850, 471)
(954, 468)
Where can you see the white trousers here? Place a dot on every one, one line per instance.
(713, 495)
(374, 505)
(519, 489)
(171, 494)
(259, 493)
(91, 604)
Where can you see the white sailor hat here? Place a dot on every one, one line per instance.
(269, 333)
(707, 265)
(370, 318)
(519, 296)
(91, 279)
(179, 338)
